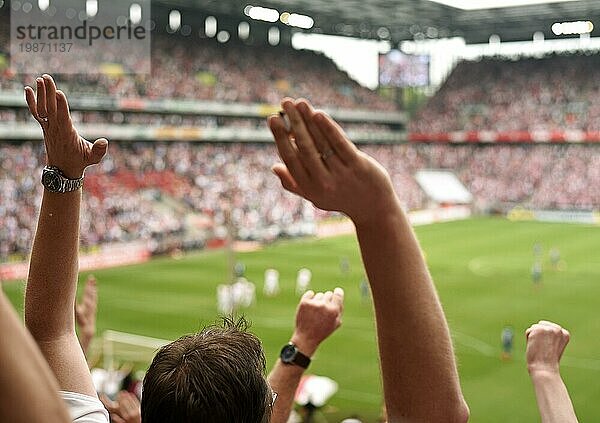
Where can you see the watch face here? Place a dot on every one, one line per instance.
(288, 353)
(52, 181)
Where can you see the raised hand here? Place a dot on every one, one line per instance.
(546, 342)
(126, 408)
(322, 165)
(65, 148)
(317, 317)
(85, 313)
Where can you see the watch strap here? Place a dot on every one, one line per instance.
(72, 184)
(67, 185)
(301, 360)
(298, 358)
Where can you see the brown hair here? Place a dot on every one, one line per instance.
(216, 376)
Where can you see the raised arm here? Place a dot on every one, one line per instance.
(546, 342)
(418, 366)
(29, 389)
(52, 281)
(317, 317)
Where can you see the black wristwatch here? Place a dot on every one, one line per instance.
(55, 181)
(291, 355)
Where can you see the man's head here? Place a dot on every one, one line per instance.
(216, 376)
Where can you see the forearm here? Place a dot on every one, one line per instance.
(419, 371)
(51, 289)
(553, 399)
(52, 280)
(29, 390)
(284, 380)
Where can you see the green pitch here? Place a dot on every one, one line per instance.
(482, 269)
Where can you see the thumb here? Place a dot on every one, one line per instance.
(99, 149)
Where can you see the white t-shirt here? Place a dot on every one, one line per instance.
(84, 409)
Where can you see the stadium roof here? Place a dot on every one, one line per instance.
(409, 19)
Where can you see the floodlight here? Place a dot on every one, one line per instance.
(135, 13)
(91, 8)
(300, 21)
(174, 20)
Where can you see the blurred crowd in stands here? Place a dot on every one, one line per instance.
(170, 120)
(149, 191)
(203, 69)
(554, 93)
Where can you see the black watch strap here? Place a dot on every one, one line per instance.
(302, 360)
(290, 354)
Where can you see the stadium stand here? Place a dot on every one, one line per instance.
(160, 192)
(203, 69)
(145, 190)
(557, 94)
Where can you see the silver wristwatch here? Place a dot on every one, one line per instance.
(55, 181)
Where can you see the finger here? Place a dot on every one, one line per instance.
(132, 402)
(328, 296)
(307, 150)
(115, 418)
(287, 151)
(31, 102)
(99, 149)
(108, 403)
(91, 279)
(90, 286)
(286, 179)
(308, 295)
(63, 116)
(549, 323)
(318, 296)
(89, 303)
(336, 137)
(127, 402)
(79, 316)
(338, 295)
(328, 153)
(50, 96)
(41, 98)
